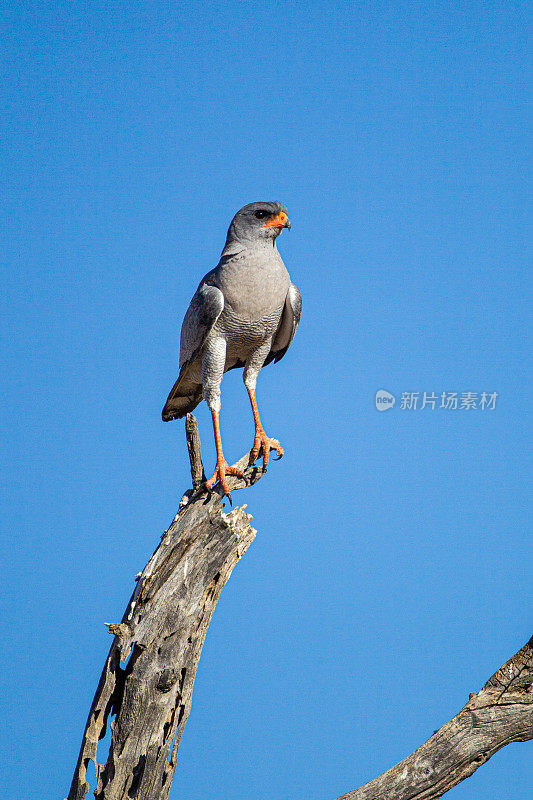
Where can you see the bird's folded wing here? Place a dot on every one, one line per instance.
(204, 310)
(288, 324)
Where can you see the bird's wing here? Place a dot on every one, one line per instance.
(204, 310)
(290, 319)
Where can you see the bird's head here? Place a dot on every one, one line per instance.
(258, 223)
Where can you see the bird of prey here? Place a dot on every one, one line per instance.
(244, 314)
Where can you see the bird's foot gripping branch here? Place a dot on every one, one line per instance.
(243, 474)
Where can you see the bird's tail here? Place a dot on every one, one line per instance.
(183, 398)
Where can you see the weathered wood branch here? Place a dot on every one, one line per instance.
(144, 694)
(501, 713)
(148, 678)
(195, 452)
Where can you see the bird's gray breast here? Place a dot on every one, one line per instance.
(255, 287)
(243, 335)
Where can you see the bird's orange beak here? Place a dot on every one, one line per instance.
(280, 221)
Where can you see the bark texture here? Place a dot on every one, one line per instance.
(147, 682)
(501, 713)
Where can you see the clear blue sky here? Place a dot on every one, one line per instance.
(391, 574)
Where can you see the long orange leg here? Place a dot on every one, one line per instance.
(261, 440)
(222, 468)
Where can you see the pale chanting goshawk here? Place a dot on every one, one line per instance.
(244, 314)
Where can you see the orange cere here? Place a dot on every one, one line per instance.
(277, 222)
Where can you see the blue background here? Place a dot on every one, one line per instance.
(391, 573)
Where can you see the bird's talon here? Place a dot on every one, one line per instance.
(221, 470)
(263, 443)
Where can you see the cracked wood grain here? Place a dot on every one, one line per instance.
(501, 713)
(145, 689)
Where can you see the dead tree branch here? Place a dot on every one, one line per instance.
(145, 689)
(148, 678)
(501, 713)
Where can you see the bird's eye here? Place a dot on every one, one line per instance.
(261, 214)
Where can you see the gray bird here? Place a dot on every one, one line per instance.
(244, 314)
